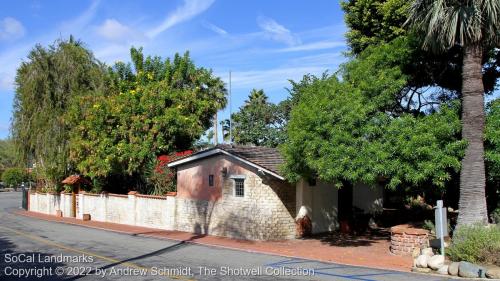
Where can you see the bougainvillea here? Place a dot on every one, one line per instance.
(161, 178)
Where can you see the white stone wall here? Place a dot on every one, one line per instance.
(44, 203)
(155, 212)
(65, 204)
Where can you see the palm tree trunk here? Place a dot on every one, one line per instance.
(472, 204)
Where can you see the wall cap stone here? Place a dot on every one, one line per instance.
(408, 229)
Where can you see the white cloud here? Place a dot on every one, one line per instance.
(321, 45)
(113, 30)
(190, 9)
(11, 58)
(215, 28)
(111, 53)
(82, 20)
(277, 32)
(272, 79)
(11, 29)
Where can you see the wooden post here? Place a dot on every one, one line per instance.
(73, 202)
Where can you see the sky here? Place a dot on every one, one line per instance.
(262, 43)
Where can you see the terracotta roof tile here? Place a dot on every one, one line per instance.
(73, 179)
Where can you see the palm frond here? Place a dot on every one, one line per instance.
(445, 23)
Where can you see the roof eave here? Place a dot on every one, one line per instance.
(221, 151)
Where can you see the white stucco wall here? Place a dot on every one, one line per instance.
(321, 202)
(155, 212)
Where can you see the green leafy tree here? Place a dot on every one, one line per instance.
(492, 140)
(13, 177)
(47, 84)
(372, 22)
(258, 122)
(492, 154)
(156, 107)
(357, 130)
(7, 154)
(475, 26)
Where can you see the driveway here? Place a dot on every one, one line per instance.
(32, 249)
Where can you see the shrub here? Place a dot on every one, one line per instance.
(13, 177)
(160, 179)
(429, 225)
(476, 244)
(495, 215)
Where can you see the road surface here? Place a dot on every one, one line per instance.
(32, 249)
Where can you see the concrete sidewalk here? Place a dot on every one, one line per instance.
(364, 251)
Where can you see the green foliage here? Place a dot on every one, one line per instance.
(7, 154)
(492, 140)
(476, 244)
(495, 215)
(429, 225)
(67, 188)
(159, 107)
(48, 83)
(258, 122)
(13, 177)
(448, 22)
(358, 129)
(372, 22)
(160, 178)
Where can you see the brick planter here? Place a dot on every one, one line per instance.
(405, 238)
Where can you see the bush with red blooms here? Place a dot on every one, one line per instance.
(162, 179)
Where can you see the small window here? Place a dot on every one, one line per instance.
(239, 187)
(210, 180)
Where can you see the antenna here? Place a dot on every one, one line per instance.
(230, 112)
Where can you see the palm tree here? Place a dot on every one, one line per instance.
(257, 97)
(475, 26)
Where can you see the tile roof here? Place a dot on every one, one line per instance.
(75, 179)
(266, 157)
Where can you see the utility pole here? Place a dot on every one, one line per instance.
(230, 113)
(215, 129)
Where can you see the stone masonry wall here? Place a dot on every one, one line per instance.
(404, 239)
(266, 212)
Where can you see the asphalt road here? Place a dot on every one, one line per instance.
(32, 249)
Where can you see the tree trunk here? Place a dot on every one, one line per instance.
(472, 203)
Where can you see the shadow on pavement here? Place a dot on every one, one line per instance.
(36, 268)
(168, 249)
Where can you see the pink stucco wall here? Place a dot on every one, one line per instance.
(192, 178)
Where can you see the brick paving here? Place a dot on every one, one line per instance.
(369, 251)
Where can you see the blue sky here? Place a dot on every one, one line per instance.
(263, 43)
